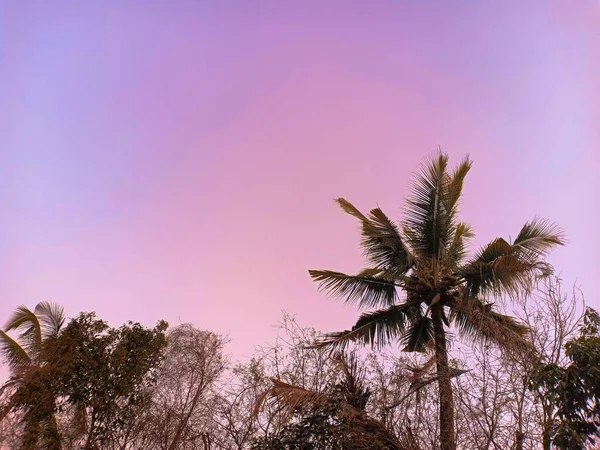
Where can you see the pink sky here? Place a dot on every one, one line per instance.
(178, 159)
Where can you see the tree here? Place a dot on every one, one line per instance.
(31, 383)
(288, 359)
(182, 403)
(425, 258)
(574, 388)
(331, 420)
(103, 374)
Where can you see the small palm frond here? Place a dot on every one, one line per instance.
(458, 248)
(419, 336)
(502, 268)
(478, 322)
(353, 384)
(51, 316)
(381, 240)
(289, 397)
(376, 328)
(351, 209)
(428, 225)
(454, 186)
(13, 354)
(27, 323)
(367, 289)
(538, 237)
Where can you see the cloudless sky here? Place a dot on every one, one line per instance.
(177, 159)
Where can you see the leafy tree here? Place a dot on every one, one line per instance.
(32, 383)
(425, 258)
(574, 388)
(103, 373)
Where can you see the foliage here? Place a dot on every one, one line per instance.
(95, 372)
(103, 372)
(574, 388)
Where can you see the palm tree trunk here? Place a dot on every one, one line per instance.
(447, 436)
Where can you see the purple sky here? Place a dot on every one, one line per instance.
(178, 159)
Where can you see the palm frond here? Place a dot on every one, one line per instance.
(538, 237)
(27, 323)
(458, 248)
(13, 354)
(51, 316)
(501, 268)
(351, 209)
(381, 240)
(376, 328)
(419, 336)
(428, 225)
(479, 323)
(289, 397)
(383, 244)
(368, 289)
(353, 383)
(454, 186)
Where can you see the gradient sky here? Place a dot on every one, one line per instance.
(177, 159)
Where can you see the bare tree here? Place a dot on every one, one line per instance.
(290, 359)
(496, 408)
(179, 412)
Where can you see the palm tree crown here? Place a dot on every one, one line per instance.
(34, 328)
(425, 256)
(28, 357)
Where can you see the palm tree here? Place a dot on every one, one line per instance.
(345, 402)
(420, 281)
(28, 358)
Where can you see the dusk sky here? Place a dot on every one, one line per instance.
(178, 159)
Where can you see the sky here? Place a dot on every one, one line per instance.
(179, 159)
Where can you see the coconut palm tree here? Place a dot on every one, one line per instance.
(420, 281)
(28, 358)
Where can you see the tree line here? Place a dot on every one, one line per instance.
(451, 350)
